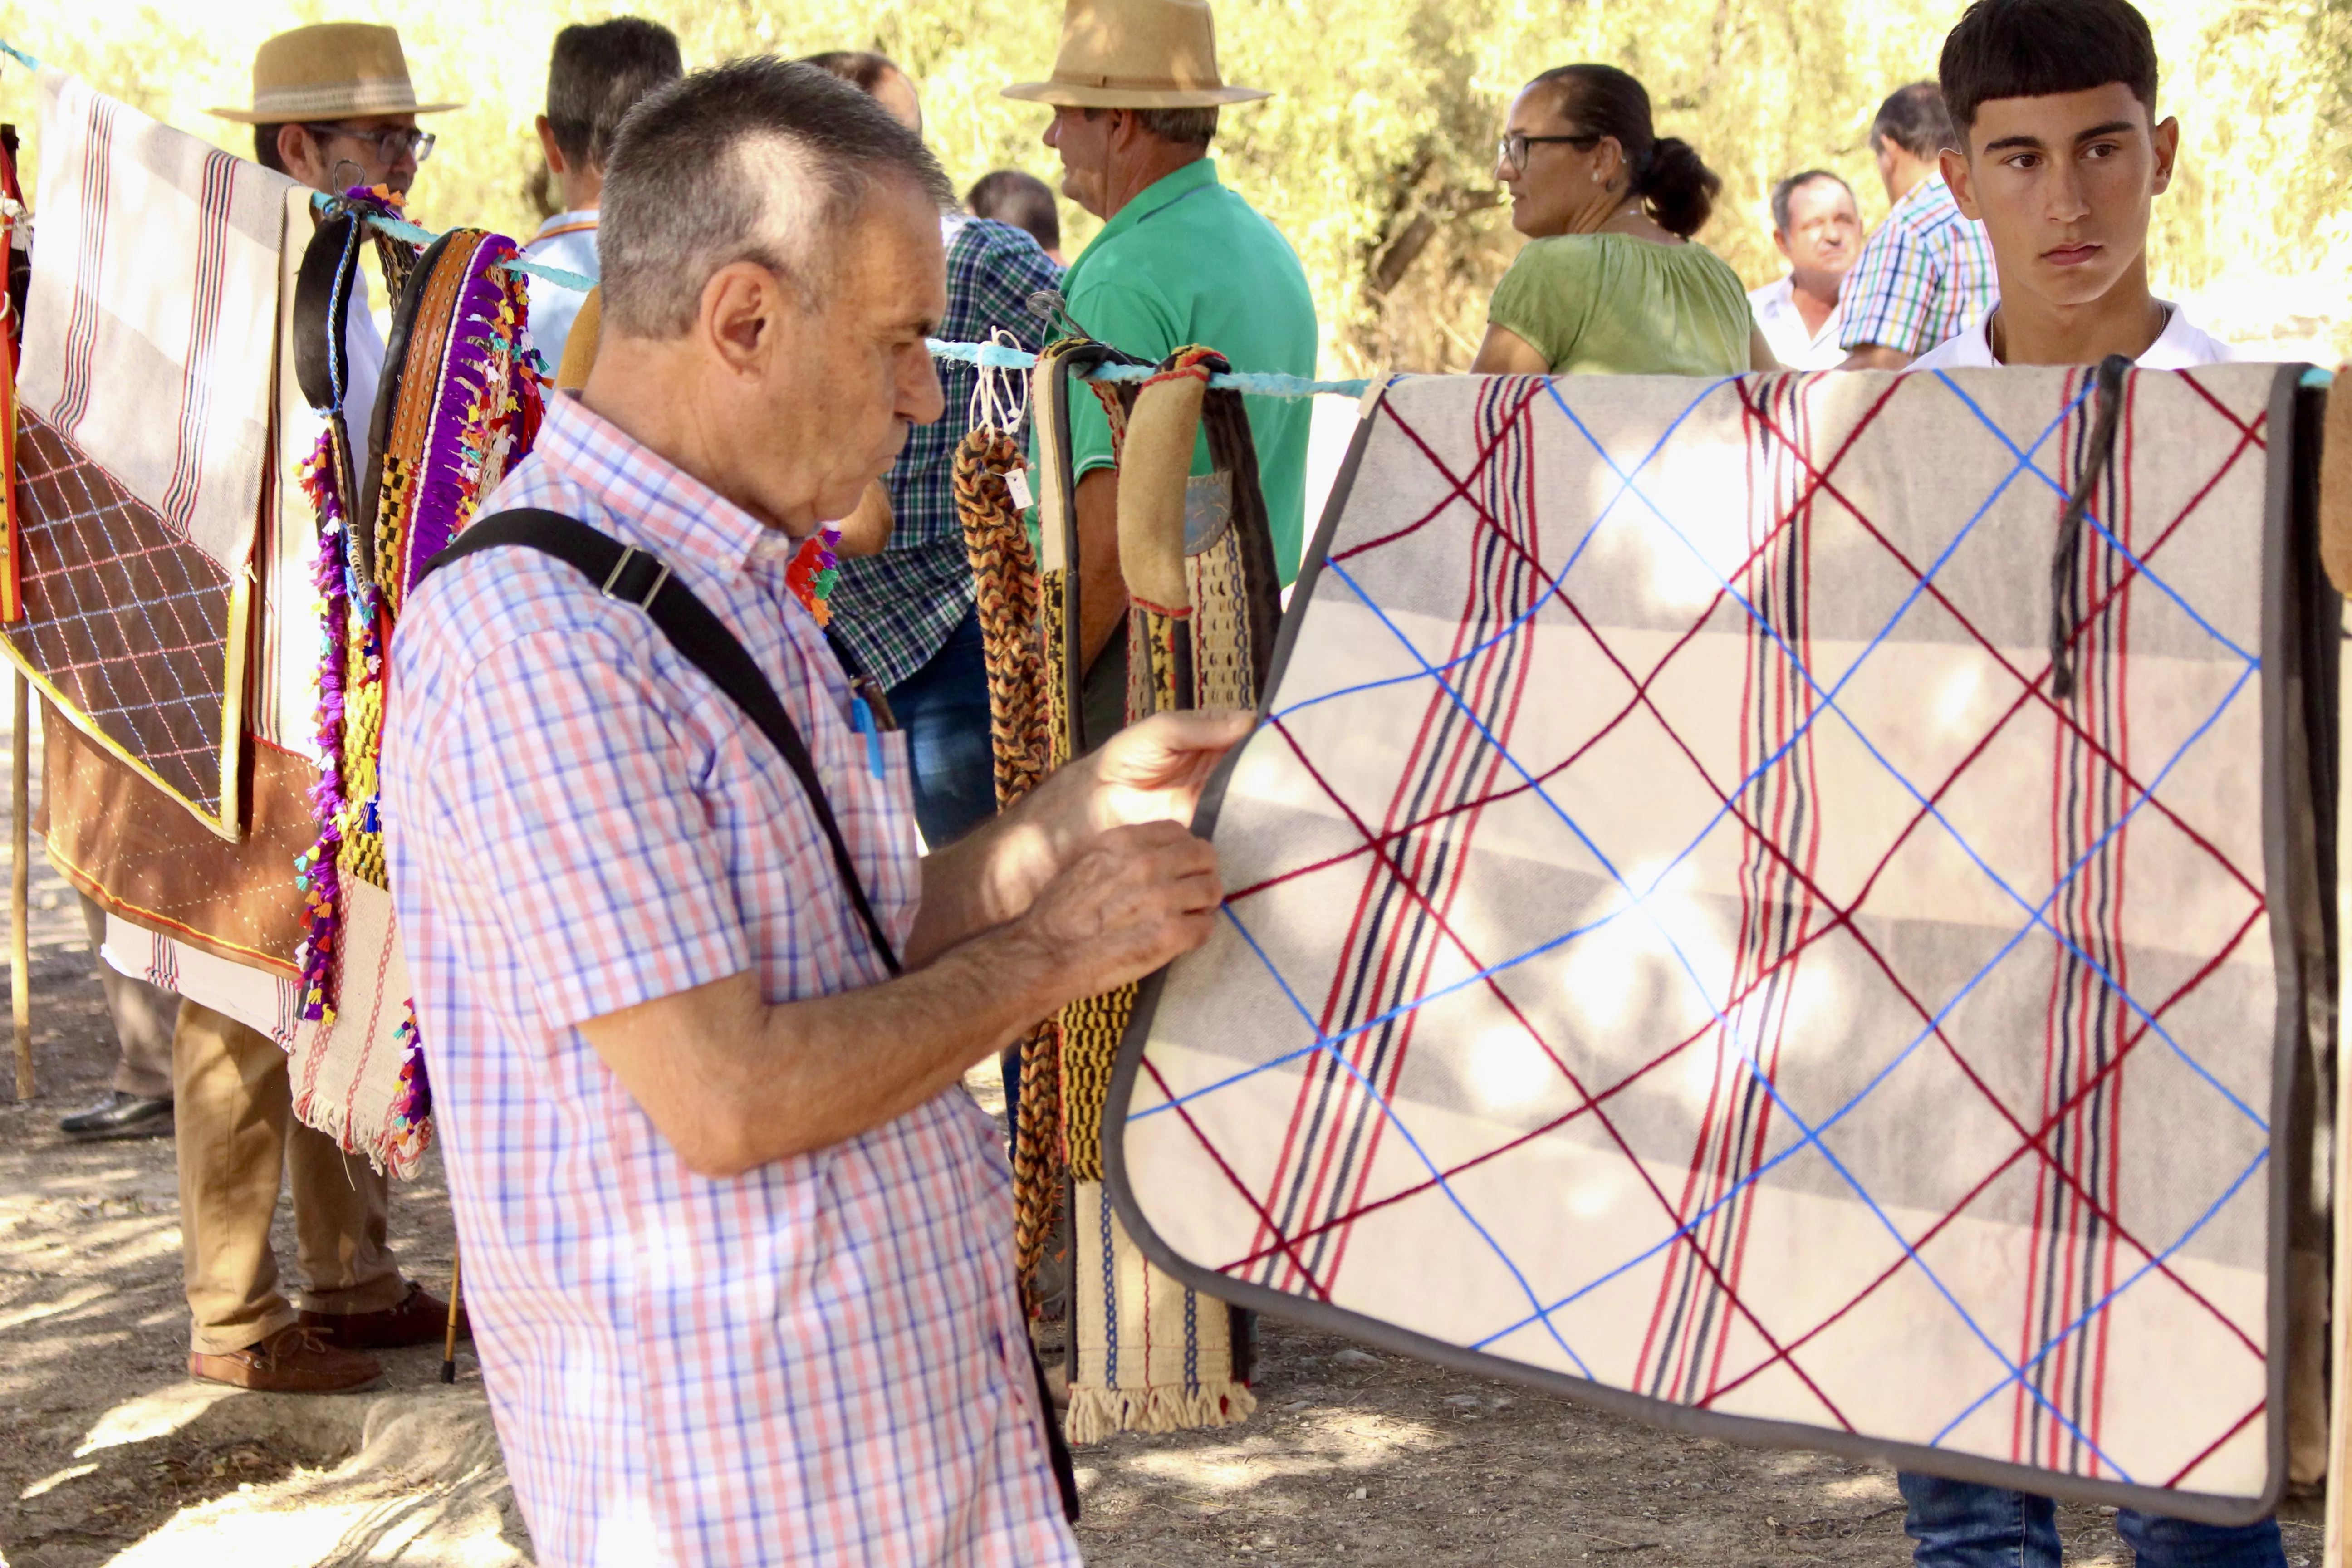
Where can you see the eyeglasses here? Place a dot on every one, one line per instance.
(389, 143)
(1513, 149)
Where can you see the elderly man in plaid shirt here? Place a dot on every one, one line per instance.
(737, 1244)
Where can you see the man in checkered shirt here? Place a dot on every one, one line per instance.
(1928, 271)
(907, 614)
(738, 1247)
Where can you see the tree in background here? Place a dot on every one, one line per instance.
(1377, 158)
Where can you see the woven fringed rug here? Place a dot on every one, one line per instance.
(1788, 905)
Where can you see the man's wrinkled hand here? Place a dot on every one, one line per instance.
(1135, 898)
(1154, 771)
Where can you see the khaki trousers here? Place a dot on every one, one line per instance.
(143, 1017)
(236, 1136)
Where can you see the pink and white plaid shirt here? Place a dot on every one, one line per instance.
(821, 1360)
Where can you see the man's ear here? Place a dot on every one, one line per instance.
(294, 152)
(743, 317)
(2167, 139)
(1782, 241)
(553, 153)
(1960, 178)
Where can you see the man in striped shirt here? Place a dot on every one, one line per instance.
(904, 614)
(737, 1246)
(1928, 271)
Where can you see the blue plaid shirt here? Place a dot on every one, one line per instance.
(895, 610)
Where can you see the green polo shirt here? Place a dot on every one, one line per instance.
(1188, 261)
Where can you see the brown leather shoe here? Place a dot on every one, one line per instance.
(292, 1361)
(419, 1319)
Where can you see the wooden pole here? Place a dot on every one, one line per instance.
(449, 1340)
(2338, 1510)
(20, 873)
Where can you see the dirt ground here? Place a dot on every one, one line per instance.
(108, 1452)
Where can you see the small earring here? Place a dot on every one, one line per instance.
(1596, 176)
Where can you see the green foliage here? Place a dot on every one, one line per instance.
(1376, 156)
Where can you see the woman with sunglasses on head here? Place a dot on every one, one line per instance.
(1609, 282)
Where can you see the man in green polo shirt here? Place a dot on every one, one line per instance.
(1182, 260)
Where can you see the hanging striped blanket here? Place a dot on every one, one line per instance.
(1744, 909)
(144, 438)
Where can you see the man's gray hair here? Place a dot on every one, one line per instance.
(756, 160)
(1184, 127)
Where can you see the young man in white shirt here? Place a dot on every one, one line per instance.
(598, 71)
(1819, 229)
(2062, 182)
(2054, 103)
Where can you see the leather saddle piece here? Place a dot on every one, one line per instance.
(126, 844)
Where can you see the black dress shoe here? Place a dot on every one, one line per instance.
(122, 1115)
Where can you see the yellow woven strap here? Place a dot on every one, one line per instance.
(1091, 1027)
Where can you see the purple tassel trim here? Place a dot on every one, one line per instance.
(314, 872)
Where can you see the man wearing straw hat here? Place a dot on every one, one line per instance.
(332, 107)
(1180, 259)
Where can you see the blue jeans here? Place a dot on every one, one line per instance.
(1960, 1524)
(943, 708)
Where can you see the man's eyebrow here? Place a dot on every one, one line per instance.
(2035, 144)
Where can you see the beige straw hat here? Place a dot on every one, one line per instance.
(333, 70)
(1136, 54)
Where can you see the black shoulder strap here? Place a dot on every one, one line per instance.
(623, 571)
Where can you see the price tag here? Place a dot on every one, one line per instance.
(1016, 483)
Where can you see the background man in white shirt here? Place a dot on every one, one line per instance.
(598, 71)
(1818, 227)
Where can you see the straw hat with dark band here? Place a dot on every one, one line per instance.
(1136, 54)
(334, 70)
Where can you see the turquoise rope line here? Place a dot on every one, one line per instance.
(19, 56)
(996, 356)
(416, 234)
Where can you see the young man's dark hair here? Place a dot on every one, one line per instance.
(1024, 201)
(599, 70)
(1913, 118)
(2035, 49)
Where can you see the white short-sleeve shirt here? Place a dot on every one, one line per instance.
(2181, 345)
(1775, 309)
